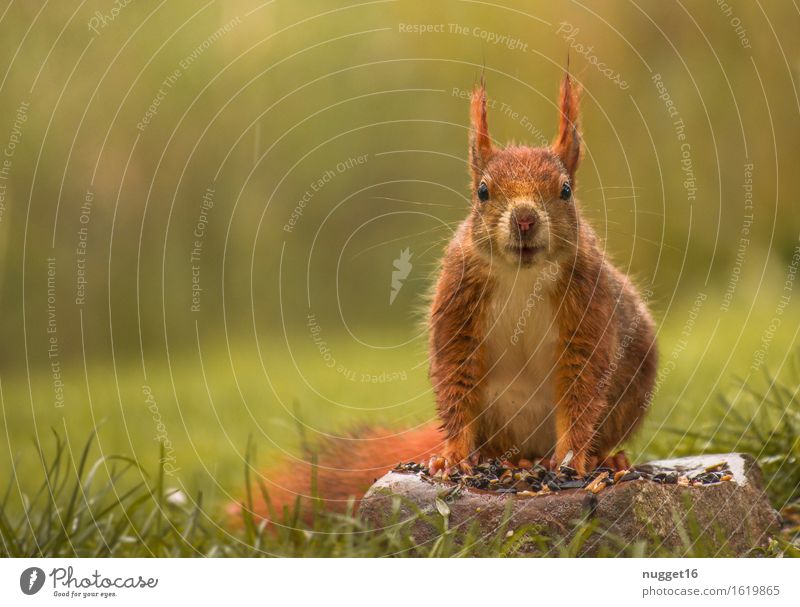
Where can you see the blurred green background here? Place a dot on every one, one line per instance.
(279, 156)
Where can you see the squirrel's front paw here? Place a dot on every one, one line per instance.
(450, 463)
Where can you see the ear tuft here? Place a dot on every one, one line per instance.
(567, 144)
(480, 144)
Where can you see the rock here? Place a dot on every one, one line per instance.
(732, 516)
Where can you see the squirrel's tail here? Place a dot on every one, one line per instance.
(344, 469)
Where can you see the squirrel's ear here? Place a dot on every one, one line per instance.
(567, 144)
(480, 144)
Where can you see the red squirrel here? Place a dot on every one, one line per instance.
(539, 347)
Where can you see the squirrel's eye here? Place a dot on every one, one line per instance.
(483, 192)
(566, 192)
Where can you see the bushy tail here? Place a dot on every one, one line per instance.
(344, 469)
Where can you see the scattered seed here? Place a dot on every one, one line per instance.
(597, 484)
(567, 458)
(538, 472)
(534, 479)
(567, 471)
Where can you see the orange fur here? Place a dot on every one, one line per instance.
(595, 310)
(346, 467)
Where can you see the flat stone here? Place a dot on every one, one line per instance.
(731, 516)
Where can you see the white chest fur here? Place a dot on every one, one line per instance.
(521, 344)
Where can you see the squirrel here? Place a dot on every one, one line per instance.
(539, 346)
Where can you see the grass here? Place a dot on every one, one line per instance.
(110, 497)
(75, 513)
(761, 418)
(110, 506)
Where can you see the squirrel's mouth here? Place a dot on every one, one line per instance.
(526, 253)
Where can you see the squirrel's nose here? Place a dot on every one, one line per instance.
(524, 220)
